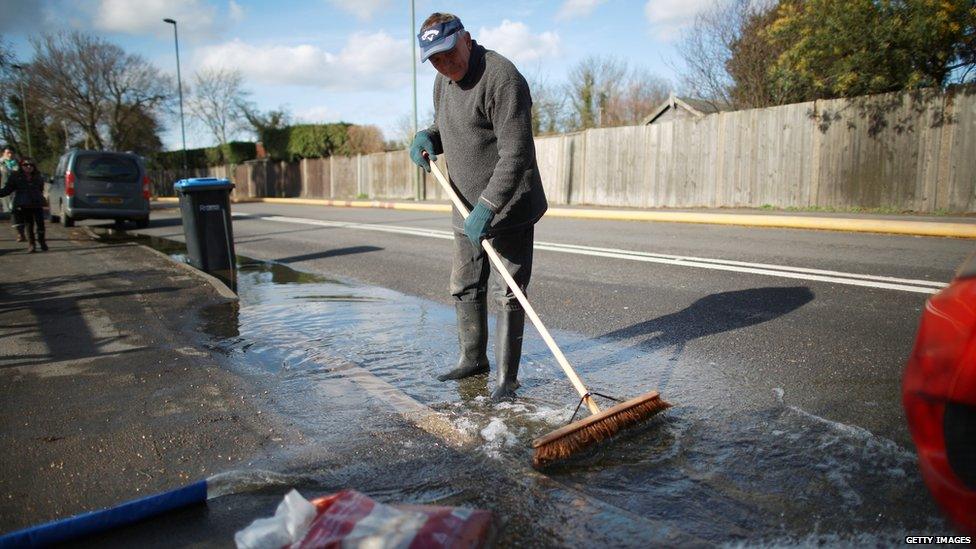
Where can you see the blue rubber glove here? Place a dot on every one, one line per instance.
(422, 143)
(476, 225)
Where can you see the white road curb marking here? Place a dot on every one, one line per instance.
(783, 271)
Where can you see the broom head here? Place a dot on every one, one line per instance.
(576, 436)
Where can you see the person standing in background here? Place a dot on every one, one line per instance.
(8, 163)
(27, 187)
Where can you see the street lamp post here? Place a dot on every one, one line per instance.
(179, 85)
(418, 178)
(23, 102)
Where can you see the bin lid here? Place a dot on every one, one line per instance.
(202, 184)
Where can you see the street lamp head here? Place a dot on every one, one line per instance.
(170, 21)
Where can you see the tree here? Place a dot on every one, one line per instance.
(548, 106)
(16, 86)
(141, 131)
(593, 83)
(263, 122)
(604, 92)
(753, 54)
(11, 122)
(403, 131)
(98, 88)
(216, 102)
(635, 98)
(364, 140)
(843, 48)
(726, 54)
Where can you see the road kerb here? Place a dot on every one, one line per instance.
(843, 224)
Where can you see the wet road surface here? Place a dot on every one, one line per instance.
(786, 428)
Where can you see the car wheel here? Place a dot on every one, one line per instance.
(66, 219)
(54, 217)
(142, 223)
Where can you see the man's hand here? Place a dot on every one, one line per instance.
(421, 144)
(476, 225)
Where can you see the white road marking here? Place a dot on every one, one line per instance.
(766, 269)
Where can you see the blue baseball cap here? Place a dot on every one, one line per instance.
(438, 38)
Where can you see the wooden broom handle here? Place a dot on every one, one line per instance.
(500, 267)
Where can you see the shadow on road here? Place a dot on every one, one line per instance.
(329, 253)
(65, 327)
(713, 314)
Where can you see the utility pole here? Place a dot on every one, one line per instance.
(179, 85)
(418, 177)
(23, 102)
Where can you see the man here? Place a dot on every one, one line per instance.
(483, 123)
(9, 165)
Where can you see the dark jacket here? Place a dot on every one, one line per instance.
(483, 124)
(28, 193)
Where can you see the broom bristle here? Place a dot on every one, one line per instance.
(568, 440)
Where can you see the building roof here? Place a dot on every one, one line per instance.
(695, 107)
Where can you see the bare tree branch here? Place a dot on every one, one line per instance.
(216, 101)
(112, 97)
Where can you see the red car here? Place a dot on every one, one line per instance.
(939, 395)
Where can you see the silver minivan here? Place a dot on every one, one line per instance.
(100, 185)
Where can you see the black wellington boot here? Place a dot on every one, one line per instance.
(472, 324)
(508, 352)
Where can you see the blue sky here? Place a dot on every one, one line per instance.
(349, 60)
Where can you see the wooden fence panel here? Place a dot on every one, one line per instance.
(554, 158)
(315, 178)
(388, 175)
(345, 171)
(960, 181)
(242, 182)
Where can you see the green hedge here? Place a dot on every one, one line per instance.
(234, 152)
(290, 143)
(306, 141)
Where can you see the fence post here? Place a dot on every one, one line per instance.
(359, 175)
(331, 179)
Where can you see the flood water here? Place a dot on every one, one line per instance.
(354, 368)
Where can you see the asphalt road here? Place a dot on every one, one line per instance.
(823, 320)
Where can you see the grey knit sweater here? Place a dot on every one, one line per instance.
(483, 123)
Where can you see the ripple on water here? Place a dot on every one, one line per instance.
(765, 473)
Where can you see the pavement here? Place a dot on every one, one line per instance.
(955, 226)
(109, 392)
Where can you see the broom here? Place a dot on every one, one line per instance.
(577, 435)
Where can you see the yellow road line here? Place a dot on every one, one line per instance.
(885, 226)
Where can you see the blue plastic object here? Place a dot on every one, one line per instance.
(98, 521)
(194, 184)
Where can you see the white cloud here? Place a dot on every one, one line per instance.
(362, 9)
(140, 16)
(366, 62)
(235, 11)
(317, 115)
(669, 17)
(514, 40)
(577, 8)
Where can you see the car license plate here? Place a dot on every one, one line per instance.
(109, 200)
